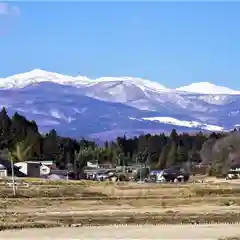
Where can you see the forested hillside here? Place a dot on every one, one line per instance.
(20, 138)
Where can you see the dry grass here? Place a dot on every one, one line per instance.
(25, 221)
(60, 203)
(230, 238)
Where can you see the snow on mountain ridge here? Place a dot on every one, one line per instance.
(207, 88)
(113, 104)
(142, 83)
(37, 75)
(190, 124)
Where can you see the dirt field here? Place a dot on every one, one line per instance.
(47, 204)
(204, 232)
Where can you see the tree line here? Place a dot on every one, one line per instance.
(20, 138)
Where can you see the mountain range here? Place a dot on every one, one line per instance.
(107, 107)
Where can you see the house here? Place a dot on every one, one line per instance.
(7, 164)
(93, 164)
(141, 172)
(175, 173)
(46, 167)
(3, 171)
(35, 168)
(22, 167)
(234, 172)
(157, 176)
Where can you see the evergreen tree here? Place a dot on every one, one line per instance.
(162, 160)
(174, 135)
(5, 123)
(182, 154)
(158, 150)
(172, 155)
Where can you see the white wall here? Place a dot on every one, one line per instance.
(3, 173)
(23, 167)
(44, 170)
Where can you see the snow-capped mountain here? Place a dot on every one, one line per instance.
(71, 113)
(37, 76)
(108, 106)
(207, 88)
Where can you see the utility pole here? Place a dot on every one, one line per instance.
(13, 178)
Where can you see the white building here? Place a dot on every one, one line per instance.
(93, 164)
(45, 167)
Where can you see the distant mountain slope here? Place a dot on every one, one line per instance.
(64, 108)
(106, 107)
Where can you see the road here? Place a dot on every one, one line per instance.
(206, 232)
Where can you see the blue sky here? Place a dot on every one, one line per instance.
(173, 43)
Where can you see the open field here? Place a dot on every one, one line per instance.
(47, 204)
